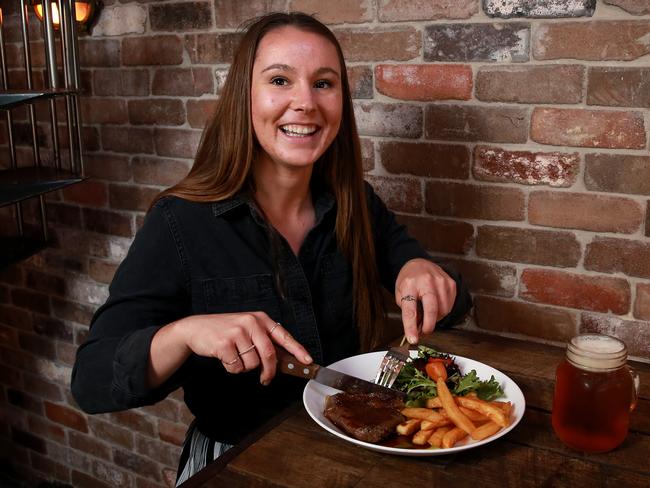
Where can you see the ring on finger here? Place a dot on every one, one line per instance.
(250, 348)
(407, 298)
(277, 324)
(230, 363)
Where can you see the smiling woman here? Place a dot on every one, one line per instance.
(272, 241)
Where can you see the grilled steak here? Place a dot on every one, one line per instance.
(369, 417)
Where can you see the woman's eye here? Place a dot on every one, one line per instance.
(322, 84)
(278, 81)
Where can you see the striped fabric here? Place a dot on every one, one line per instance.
(198, 451)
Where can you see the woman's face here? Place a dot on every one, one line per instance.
(296, 96)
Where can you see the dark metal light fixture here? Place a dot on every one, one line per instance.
(85, 11)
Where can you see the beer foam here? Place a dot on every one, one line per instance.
(600, 344)
(596, 352)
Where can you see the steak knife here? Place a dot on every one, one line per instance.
(329, 377)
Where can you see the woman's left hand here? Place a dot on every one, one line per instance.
(421, 281)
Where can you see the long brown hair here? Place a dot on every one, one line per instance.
(223, 163)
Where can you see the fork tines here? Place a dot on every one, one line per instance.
(391, 365)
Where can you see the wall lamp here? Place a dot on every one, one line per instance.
(85, 12)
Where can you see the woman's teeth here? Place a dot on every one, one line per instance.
(298, 130)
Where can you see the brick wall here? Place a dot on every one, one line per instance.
(510, 136)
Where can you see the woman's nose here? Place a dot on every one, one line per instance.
(303, 98)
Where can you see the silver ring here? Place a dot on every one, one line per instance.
(252, 346)
(230, 363)
(274, 327)
(407, 298)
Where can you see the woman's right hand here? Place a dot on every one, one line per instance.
(241, 341)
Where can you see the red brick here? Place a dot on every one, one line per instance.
(610, 255)
(538, 9)
(152, 51)
(367, 154)
(543, 247)
(43, 427)
(446, 236)
(525, 167)
(595, 293)
(212, 48)
(399, 194)
(473, 201)
(121, 82)
(425, 159)
(394, 120)
(336, 11)
(176, 82)
(199, 112)
(620, 87)
(636, 7)
(52, 328)
(45, 282)
(156, 111)
(83, 480)
(111, 474)
(635, 334)
(30, 441)
(618, 173)
(489, 278)
(52, 469)
(107, 222)
(397, 10)
(135, 421)
(474, 123)
(130, 197)
(424, 82)
(111, 432)
(131, 140)
(180, 16)
(103, 111)
(164, 453)
(177, 143)
(30, 300)
(232, 13)
(101, 271)
(486, 42)
(523, 318)
(379, 44)
(65, 215)
(137, 464)
(99, 53)
(109, 167)
(37, 346)
(530, 84)
(89, 192)
(577, 211)
(24, 401)
(593, 41)
(360, 80)
(8, 336)
(74, 312)
(171, 432)
(588, 128)
(66, 416)
(642, 302)
(647, 219)
(158, 171)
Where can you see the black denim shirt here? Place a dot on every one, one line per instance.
(207, 258)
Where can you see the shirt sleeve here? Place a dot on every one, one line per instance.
(148, 291)
(394, 247)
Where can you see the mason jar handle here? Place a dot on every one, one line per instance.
(635, 391)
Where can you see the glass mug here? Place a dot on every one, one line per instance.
(595, 391)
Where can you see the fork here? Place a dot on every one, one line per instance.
(392, 363)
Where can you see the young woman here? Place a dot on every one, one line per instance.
(273, 240)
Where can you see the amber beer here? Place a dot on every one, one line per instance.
(595, 391)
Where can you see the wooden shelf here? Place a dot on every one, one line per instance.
(11, 99)
(22, 183)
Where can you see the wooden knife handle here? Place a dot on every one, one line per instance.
(290, 365)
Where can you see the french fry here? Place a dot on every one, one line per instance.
(493, 413)
(485, 430)
(436, 438)
(452, 436)
(421, 437)
(433, 402)
(454, 413)
(422, 414)
(473, 415)
(408, 427)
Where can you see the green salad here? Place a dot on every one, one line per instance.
(417, 379)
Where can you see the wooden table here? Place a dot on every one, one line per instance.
(293, 451)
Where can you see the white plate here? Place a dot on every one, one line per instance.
(365, 366)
